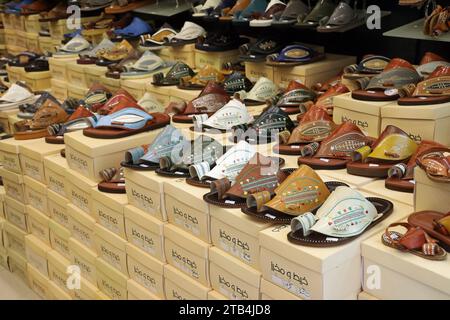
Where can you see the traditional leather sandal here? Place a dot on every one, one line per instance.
(219, 42)
(121, 99)
(172, 78)
(232, 114)
(97, 96)
(206, 74)
(187, 35)
(237, 81)
(392, 147)
(395, 81)
(210, 99)
(126, 122)
(436, 224)
(203, 149)
(19, 93)
(260, 174)
(325, 101)
(135, 29)
(119, 52)
(113, 181)
(302, 191)
(343, 18)
(323, 10)
(49, 113)
(296, 99)
(415, 241)
(434, 90)
(28, 110)
(265, 128)
(146, 158)
(436, 163)
(344, 216)
(274, 10)
(256, 8)
(92, 56)
(23, 59)
(401, 175)
(370, 66)
(260, 49)
(156, 40)
(37, 7)
(429, 62)
(335, 151)
(114, 70)
(290, 15)
(294, 55)
(315, 126)
(263, 91)
(123, 6)
(81, 119)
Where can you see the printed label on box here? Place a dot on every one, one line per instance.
(60, 279)
(80, 199)
(35, 199)
(14, 190)
(144, 199)
(110, 289)
(110, 256)
(231, 290)
(77, 161)
(59, 214)
(61, 245)
(188, 222)
(290, 280)
(16, 244)
(86, 268)
(56, 183)
(143, 239)
(185, 264)
(234, 246)
(16, 217)
(37, 261)
(109, 219)
(11, 163)
(145, 278)
(33, 168)
(39, 230)
(81, 233)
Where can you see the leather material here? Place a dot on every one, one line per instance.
(393, 145)
(163, 145)
(434, 223)
(438, 83)
(97, 96)
(315, 126)
(49, 113)
(436, 163)
(263, 90)
(173, 76)
(210, 99)
(369, 65)
(323, 8)
(301, 192)
(345, 213)
(260, 174)
(325, 101)
(119, 52)
(272, 119)
(342, 142)
(122, 99)
(204, 75)
(236, 82)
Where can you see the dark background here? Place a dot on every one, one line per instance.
(359, 41)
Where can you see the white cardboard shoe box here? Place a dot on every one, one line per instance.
(38, 224)
(36, 194)
(14, 239)
(58, 267)
(232, 278)
(138, 292)
(17, 265)
(146, 271)
(237, 234)
(37, 282)
(110, 281)
(187, 253)
(269, 291)
(80, 191)
(9, 154)
(179, 286)
(108, 209)
(429, 194)
(145, 191)
(88, 156)
(32, 157)
(317, 273)
(111, 248)
(16, 213)
(81, 226)
(55, 168)
(14, 186)
(390, 274)
(84, 258)
(57, 208)
(37, 254)
(59, 238)
(186, 208)
(145, 232)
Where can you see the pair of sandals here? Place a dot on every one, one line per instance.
(438, 22)
(427, 235)
(219, 42)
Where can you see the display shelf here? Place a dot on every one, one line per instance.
(165, 9)
(413, 30)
